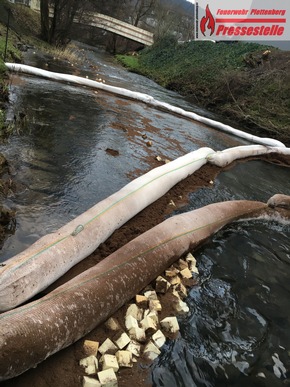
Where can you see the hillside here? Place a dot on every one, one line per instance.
(247, 84)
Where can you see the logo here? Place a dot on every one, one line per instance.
(207, 22)
(244, 20)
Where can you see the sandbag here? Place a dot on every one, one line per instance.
(34, 269)
(33, 332)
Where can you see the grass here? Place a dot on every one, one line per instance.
(229, 79)
(12, 54)
(131, 62)
(68, 53)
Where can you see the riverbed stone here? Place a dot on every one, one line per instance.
(3, 164)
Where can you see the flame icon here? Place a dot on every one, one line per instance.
(209, 20)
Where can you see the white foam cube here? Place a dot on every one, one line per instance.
(170, 324)
(134, 311)
(141, 301)
(124, 358)
(162, 285)
(110, 361)
(181, 290)
(175, 280)
(151, 295)
(186, 273)
(181, 307)
(108, 346)
(151, 351)
(153, 314)
(90, 382)
(182, 264)
(159, 339)
(112, 324)
(171, 272)
(131, 322)
(148, 323)
(155, 305)
(191, 263)
(91, 364)
(135, 348)
(138, 334)
(108, 378)
(91, 347)
(121, 339)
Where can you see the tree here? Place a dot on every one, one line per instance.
(55, 29)
(173, 18)
(140, 9)
(44, 18)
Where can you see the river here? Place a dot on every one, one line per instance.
(79, 146)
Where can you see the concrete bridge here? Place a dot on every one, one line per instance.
(118, 27)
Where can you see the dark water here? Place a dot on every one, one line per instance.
(238, 316)
(254, 180)
(237, 330)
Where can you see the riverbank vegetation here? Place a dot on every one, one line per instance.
(10, 50)
(244, 83)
